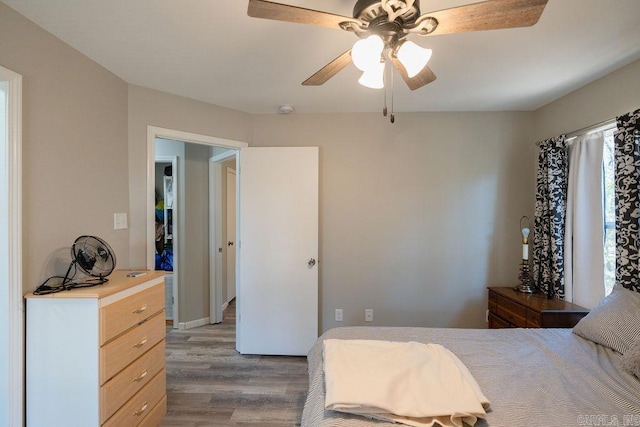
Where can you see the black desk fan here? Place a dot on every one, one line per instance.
(93, 256)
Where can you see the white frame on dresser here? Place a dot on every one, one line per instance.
(13, 224)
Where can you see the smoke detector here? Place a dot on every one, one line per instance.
(285, 109)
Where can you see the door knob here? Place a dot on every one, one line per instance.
(311, 262)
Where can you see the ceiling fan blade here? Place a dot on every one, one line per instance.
(283, 12)
(424, 77)
(488, 15)
(329, 70)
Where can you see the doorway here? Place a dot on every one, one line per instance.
(269, 292)
(166, 216)
(223, 226)
(11, 303)
(186, 291)
(230, 219)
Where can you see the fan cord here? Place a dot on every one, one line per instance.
(68, 283)
(86, 262)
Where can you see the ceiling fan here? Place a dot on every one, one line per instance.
(384, 25)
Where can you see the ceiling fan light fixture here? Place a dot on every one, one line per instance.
(413, 57)
(373, 78)
(366, 53)
(394, 20)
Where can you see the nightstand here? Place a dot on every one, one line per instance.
(511, 309)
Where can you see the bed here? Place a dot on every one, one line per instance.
(537, 377)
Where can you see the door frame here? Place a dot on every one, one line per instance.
(15, 315)
(154, 132)
(230, 171)
(176, 236)
(216, 303)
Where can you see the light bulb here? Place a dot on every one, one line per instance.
(366, 53)
(413, 57)
(525, 234)
(374, 77)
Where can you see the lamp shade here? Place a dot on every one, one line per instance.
(374, 77)
(413, 57)
(366, 53)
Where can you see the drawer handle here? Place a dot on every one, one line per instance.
(141, 377)
(144, 408)
(140, 310)
(141, 343)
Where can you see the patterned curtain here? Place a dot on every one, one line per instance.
(627, 176)
(550, 217)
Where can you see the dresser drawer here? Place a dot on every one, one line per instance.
(534, 319)
(120, 388)
(142, 404)
(522, 310)
(121, 315)
(514, 313)
(156, 415)
(497, 323)
(125, 349)
(493, 305)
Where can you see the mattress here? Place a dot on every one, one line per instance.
(532, 377)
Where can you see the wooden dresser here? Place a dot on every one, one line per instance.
(96, 356)
(511, 309)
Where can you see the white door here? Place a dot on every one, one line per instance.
(231, 234)
(278, 249)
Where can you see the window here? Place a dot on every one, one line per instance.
(608, 186)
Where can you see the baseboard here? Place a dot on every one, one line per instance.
(225, 305)
(193, 323)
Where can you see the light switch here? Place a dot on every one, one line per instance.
(120, 221)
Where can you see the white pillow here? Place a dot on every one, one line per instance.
(631, 359)
(614, 322)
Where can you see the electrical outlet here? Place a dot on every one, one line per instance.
(338, 315)
(368, 315)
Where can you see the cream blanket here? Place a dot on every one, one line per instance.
(405, 382)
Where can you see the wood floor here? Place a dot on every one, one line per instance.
(210, 384)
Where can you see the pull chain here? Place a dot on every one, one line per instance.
(393, 117)
(384, 109)
(384, 85)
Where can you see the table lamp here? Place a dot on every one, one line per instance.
(525, 285)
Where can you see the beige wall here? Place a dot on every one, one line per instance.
(152, 108)
(615, 94)
(403, 207)
(75, 147)
(416, 218)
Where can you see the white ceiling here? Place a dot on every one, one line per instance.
(210, 50)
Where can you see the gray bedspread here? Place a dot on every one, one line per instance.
(532, 377)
